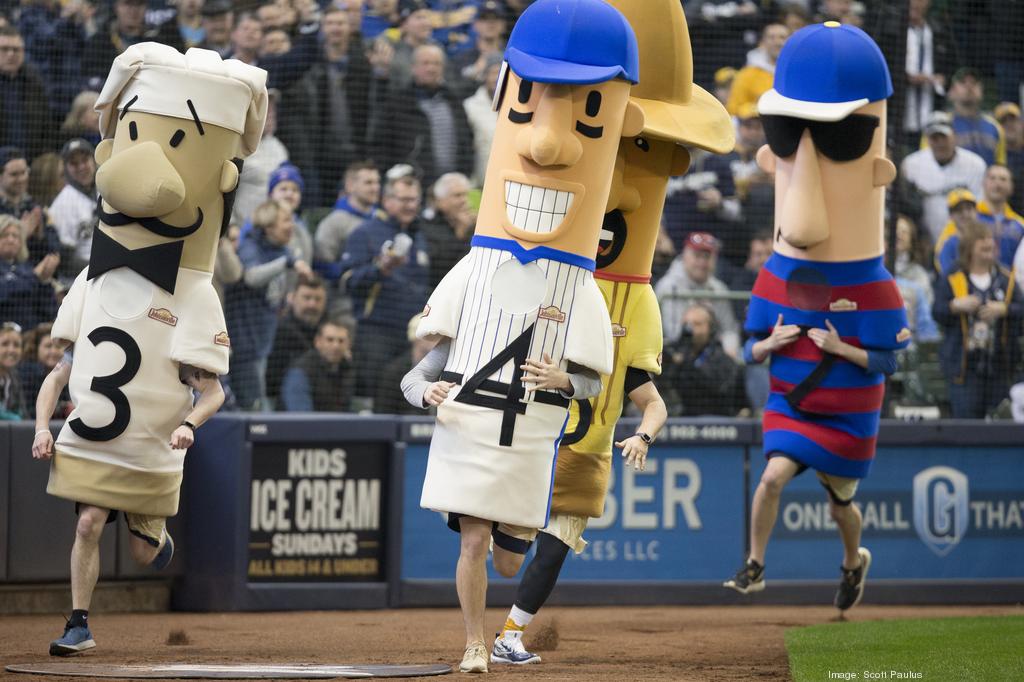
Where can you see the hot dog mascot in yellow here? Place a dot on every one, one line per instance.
(146, 324)
(676, 112)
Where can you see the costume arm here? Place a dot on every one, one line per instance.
(295, 393)
(586, 383)
(883, 361)
(427, 371)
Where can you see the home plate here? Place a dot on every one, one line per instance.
(298, 671)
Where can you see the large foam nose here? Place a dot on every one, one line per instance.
(803, 218)
(548, 139)
(140, 182)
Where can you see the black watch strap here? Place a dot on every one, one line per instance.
(644, 437)
(189, 425)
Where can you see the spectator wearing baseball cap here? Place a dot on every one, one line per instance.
(218, 19)
(1008, 116)
(392, 55)
(469, 66)
(73, 211)
(963, 212)
(975, 130)
(931, 171)
(691, 274)
(127, 27)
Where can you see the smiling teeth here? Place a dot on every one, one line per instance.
(607, 235)
(536, 209)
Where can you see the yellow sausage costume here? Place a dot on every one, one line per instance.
(526, 288)
(145, 309)
(676, 112)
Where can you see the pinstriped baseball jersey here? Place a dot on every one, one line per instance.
(492, 454)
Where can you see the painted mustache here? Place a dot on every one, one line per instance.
(154, 225)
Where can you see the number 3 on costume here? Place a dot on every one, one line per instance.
(109, 386)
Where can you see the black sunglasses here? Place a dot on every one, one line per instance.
(844, 140)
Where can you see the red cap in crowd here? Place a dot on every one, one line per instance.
(702, 241)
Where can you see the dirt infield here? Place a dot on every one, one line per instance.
(662, 643)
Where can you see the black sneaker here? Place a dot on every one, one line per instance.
(750, 578)
(851, 587)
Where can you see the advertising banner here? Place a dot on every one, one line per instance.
(929, 513)
(317, 512)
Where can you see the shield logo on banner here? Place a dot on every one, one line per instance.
(940, 508)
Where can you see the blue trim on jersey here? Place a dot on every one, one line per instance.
(806, 451)
(554, 462)
(842, 375)
(524, 255)
(859, 424)
(846, 273)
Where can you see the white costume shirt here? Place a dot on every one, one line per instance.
(493, 451)
(130, 339)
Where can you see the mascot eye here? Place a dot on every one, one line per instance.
(177, 137)
(642, 144)
(133, 131)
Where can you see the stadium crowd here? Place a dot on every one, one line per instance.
(362, 193)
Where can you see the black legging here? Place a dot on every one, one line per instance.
(541, 574)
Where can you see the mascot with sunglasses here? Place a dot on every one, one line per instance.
(824, 307)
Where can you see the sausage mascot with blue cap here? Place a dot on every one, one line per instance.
(676, 113)
(824, 307)
(144, 320)
(521, 324)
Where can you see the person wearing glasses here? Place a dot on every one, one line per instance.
(824, 308)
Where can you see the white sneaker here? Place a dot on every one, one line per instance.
(508, 648)
(475, 659)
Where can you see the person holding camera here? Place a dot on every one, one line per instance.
(699, 377)
(385, 268)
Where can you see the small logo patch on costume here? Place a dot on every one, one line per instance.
(618, 330)
(163, 315)
(551, 313)
(842, 305)
(426, 310)
(904, 335)
(221, 339)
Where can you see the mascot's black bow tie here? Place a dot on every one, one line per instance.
(158, 264)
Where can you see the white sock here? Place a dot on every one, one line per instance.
(520, 617)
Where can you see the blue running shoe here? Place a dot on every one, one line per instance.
(75, 641)
(163, 557)
(508, 648)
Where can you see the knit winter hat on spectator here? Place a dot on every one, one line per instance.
(197, 86)
(8, 154)
(286, 172)
(407, 8)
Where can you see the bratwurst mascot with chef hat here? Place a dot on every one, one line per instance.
(521, 324)
(145, 322)
(824, 307)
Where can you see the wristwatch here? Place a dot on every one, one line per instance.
(644, 437)
(189, 425)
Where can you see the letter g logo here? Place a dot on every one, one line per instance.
(940, 508)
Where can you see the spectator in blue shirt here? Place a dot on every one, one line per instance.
(386, 271)
(252, 305)
(26, 292)
(976, 131)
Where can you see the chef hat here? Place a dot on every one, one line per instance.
(157, 79)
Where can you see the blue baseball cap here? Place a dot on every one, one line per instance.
(573, 42)
(825, 72)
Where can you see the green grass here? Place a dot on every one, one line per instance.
(985, 649)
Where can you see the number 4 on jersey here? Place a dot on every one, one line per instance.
(507, 398)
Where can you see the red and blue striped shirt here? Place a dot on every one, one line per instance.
(836, 427)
